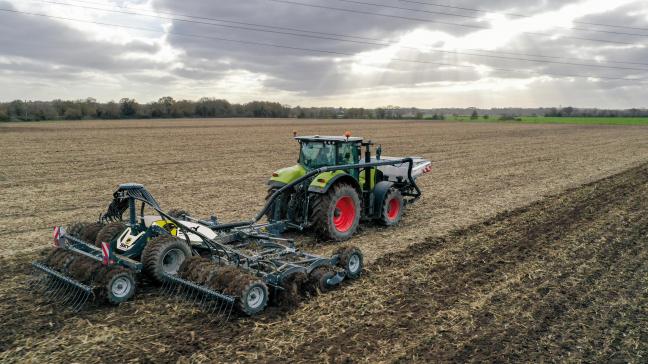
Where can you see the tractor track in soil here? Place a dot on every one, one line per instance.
(565, 278)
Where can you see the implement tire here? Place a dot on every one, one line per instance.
(336, 214)
(164, 254)
(119, 285)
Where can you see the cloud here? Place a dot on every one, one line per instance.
(387, 61)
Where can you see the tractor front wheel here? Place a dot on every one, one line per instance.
(392, 208)
(336, 214)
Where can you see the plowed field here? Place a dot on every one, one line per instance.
(529, 244)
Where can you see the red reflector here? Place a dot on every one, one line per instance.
(105, 252)
(321, 180)
(275, 175)
(57, 235)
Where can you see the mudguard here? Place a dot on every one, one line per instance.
(323, 182)
(379, 193)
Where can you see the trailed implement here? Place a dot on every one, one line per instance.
(223, 268)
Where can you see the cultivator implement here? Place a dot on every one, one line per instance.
(76, 273)
(222, 268)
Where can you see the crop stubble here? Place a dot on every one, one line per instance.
(476, 293)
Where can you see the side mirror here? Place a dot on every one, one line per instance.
(378, 152)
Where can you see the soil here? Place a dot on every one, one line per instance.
(529, 245)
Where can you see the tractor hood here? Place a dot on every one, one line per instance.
(287, 175)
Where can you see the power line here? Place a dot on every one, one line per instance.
(477, 17)
(378, 43)
(346, 35)
(439, 22)
(313, 50)
(517, 15)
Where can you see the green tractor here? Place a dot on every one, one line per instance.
(334, 186)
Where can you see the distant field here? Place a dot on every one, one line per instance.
(559, 120)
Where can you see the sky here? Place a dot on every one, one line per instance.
(346, 53)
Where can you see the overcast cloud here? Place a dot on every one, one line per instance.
(381, 60)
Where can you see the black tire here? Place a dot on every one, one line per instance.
(164, 254)
(177, 213)
(319, 277)
(392, 208)
(325, 211)
(252, 298)
(352, 261)
(279, 208)
(109, 232)
(119, 285)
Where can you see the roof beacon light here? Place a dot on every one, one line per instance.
(347, 134)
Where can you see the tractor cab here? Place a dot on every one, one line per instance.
(321, 151)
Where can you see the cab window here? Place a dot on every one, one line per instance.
(315, 155)
(346, 154)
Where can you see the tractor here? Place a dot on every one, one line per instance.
(334, 186)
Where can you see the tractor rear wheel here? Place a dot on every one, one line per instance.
(336, 214)
(164, 254)
(392, 208)
(109, 232)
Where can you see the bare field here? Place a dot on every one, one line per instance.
(435, 289)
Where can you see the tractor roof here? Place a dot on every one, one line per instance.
(328, 138)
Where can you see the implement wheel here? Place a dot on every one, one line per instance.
(336, 214)
(119, 286)
(164, 254)
(252, 297)
(392, 208)
(352, 261)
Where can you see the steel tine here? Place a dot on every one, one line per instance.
(83, 301)
(231, 306)
(51, 285)
(77, 293)
(76, 307)
(54, 288)
(196, 297)
(71, 293)
(76, 298)
(64, 289)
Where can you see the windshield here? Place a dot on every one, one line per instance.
(315, 155)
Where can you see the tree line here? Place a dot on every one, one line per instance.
(167, 107)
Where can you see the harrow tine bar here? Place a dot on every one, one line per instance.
(207, 299)
(58, 287)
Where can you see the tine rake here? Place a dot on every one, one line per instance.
(61, 288)
(207, 299)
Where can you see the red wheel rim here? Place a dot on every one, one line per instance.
(393, 208)
(344, 214)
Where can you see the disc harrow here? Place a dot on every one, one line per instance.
(224, 269)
